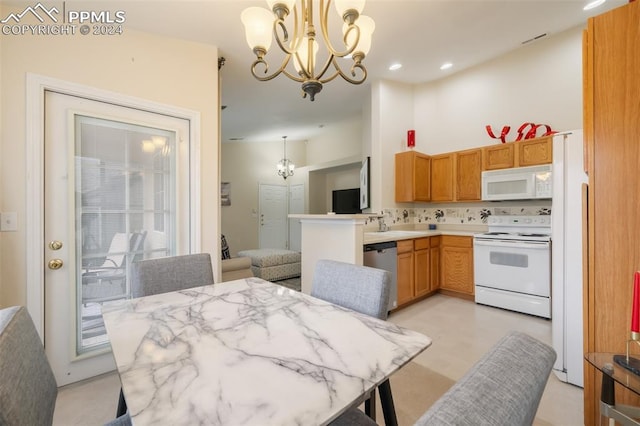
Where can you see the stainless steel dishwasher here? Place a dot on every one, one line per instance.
(384, 256)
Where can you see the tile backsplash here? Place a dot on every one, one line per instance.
(456, 215)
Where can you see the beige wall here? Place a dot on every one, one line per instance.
(246, 165)
(164, 70)
(338, 140)
(540, 83)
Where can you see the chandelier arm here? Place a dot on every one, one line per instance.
(324, 25)
(293, 76)
(297, 34)
(342, 74)
(262, 62)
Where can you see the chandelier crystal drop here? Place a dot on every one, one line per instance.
(285, 166)
(262, 26)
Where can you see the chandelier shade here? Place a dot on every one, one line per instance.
(291, 24)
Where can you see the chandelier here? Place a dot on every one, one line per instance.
(261, 25)
(285, 166)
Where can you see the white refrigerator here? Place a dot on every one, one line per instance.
(566, 255)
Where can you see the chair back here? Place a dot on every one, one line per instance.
(165, 274)
(504, 388)
(28, 388)
(360, 288)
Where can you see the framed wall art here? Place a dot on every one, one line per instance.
(225, 193)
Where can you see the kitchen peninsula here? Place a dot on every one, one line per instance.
(428, 260)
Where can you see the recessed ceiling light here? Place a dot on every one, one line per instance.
(446, 66)
(593, 4)
(395, 66)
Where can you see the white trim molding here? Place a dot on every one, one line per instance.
(37, 85)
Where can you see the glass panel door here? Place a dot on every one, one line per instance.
(125, 198)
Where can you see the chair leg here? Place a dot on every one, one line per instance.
(386, 399)
(122, 405)
(370, 406)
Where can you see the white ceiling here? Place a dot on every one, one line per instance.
(421, 34)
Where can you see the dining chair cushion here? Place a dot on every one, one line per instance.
(360, 288)
(165, 274)
(28, 388)
(504, 388)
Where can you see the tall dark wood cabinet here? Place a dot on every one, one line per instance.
(612, 136)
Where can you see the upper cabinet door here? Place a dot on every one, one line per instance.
(442, 177)
(532, 152)
(498, 156)
(468, 174)
(412, 174)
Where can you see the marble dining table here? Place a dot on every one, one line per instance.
(249, 352)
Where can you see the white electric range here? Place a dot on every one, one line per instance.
(512, 264)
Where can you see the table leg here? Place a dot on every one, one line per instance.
(370, 405)
(386, 400)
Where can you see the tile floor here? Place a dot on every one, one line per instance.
(461, 331)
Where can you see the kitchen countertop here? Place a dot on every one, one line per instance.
(397, 235)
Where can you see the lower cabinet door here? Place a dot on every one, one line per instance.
(405, 278)
(422, 272)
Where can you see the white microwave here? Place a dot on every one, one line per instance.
(520, 183)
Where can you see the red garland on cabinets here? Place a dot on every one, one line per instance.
(530, 134)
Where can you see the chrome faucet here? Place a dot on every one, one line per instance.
(382, 227)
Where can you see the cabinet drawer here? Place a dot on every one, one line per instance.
(405, 246)
(435, 241)
(456, 241)
(421, 243)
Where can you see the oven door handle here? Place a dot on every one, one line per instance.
(540, 245)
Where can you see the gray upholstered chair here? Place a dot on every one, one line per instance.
(165, 274)
(359, 288)
(504, 388)
(28, 388)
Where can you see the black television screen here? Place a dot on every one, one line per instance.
(346, 201)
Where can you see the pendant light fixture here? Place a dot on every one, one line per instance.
(285, 166)
(262, 25)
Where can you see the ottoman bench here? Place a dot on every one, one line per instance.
(273, 264)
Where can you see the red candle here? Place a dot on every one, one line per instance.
(635, 313)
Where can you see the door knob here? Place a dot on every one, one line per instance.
(55, 264)
(55, 245)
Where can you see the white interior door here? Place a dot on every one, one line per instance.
(116, 191)
(296, 206)
(273, 207)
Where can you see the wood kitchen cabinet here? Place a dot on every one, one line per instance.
(434, 258)
(456, 176)
(422, 266)
(468, 169)
(611, 93)
(412, 177)
(457, 264)
(496, 157)
(415, 268)
(442, 177)
(532, 152)
(405, 272)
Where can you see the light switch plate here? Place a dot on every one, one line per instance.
(9, 221)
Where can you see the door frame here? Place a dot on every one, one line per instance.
(37, 85)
